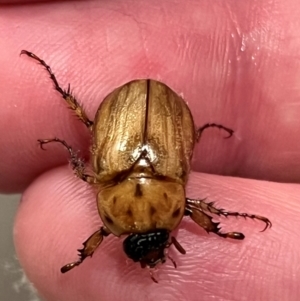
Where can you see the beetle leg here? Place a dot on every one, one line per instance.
(66, 94)
(209, 125)
(209, 207)
(152, 276)
(177, 245)
(90, 245)
(173, 261)
(205, 221)
(77, 163)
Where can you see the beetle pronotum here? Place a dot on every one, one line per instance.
(143, 139)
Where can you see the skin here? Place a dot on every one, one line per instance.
(235, 64)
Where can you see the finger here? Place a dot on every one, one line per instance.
(58, 212)
(16, 2)
(222, 81)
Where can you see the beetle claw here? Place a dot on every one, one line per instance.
(41, 144)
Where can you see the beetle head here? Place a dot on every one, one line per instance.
(148, 248)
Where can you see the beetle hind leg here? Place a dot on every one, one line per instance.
(205, 221)
(66, 94)
(77, 163)
(195, 208)
(89, 247)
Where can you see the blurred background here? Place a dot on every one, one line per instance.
(13, 283)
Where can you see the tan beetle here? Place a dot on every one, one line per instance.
(143, 139)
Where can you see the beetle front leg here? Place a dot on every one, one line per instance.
(210, 125)
(77, 163)
(205, 221)
(66, 94)
(89, 247)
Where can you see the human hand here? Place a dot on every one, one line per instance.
(97, 46)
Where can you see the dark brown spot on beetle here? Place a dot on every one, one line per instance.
(108, 219)
(152, 210)
(182, 175)
(176, 213)
(114, 200)
(138, 191)
(129, 212)
(165, 196)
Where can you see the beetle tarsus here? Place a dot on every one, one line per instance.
(41, 143)
(173, 261)
(252, 216)
(68, 97)
(209, 125)
(152, 276)
(232, 235)
(69, 266)
(77, 163)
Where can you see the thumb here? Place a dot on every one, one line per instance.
(58, 212)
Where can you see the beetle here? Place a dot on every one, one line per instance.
(143, 140)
